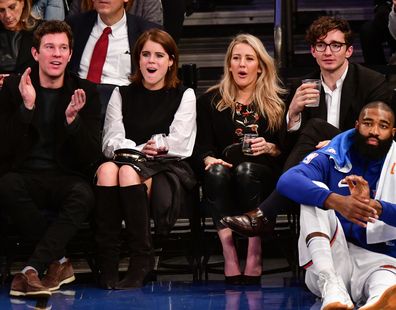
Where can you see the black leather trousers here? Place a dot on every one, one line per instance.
(232, 191)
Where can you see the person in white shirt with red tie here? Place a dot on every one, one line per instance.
(88, 28)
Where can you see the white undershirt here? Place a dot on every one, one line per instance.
(333, 100)
(117, 67)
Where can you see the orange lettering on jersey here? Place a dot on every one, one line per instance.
(388, 267)
(393, 168)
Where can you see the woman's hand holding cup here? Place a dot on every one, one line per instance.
(149, 148)
(259, 146)
(160, 144)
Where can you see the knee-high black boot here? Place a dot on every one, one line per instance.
(107, 235)
(135, 205)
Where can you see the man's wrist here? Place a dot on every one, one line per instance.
(295, 117)
(28, 105)
(332, 201)
(71, 119)
(378, 206)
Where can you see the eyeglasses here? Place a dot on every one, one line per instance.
(334, 46)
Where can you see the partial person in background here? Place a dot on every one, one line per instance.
(132, 183)
(16, 35)
(374, 33)
(104, 41)
(246, 101)
(150, 10)
(49, 9)
(392, 20)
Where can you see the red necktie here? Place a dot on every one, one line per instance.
(98, 57)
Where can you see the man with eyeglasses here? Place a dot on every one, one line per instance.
(346, 88)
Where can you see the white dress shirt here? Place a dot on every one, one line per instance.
(333, 100)
(182, 130)
(117, 67)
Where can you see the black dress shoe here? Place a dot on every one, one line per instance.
(251, 280)
(108, 271)
(234, 280)
(139, 272)
(107, 284)
(250, 224)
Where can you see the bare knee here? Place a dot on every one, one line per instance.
(128, 176)
(107, 174)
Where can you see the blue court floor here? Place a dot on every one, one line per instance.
(275, 292)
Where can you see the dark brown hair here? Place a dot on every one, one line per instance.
(323, 25)
(166, 41)
(49, 27)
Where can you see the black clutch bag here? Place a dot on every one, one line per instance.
(128, 156)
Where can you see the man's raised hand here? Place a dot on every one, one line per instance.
(77, 102)
(27, 90)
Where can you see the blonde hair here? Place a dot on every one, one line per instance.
(266, 94)
(26, 20)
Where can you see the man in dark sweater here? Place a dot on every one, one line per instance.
(50, 126)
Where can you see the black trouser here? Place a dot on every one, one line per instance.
(28, 199)
(315, 130)
(240, 189)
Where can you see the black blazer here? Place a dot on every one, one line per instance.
(361, 86)
(82, 24)
(78, 146)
